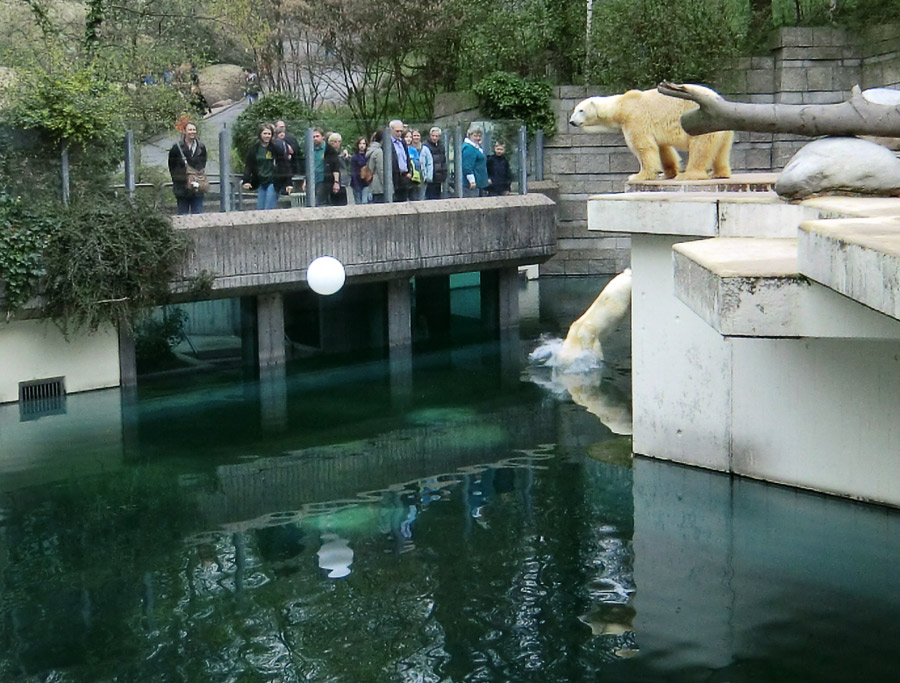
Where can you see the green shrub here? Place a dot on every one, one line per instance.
(24, 234)
(268, 109)
(106, 261)
(638, 43)
(505, 96)
(153, 109)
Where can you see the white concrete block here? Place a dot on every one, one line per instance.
(752, 288)
(654, 213)
(36, 349)
(681, 368)
(859, 258)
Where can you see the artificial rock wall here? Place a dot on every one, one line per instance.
(804, 65)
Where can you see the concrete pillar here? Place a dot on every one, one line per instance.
(270, 329)
(399, 325)
(500, 299)
(127, 361)
(399, 313)
(249, 341)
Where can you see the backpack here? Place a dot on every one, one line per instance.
(365, 174)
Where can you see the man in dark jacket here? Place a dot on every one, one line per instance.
(399, 162)
(433, 189)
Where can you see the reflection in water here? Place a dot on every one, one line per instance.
(335, 556)
(486, 534)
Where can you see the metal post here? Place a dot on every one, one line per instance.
(129, 164)
(487, 140)
(387, 146)
(523, 160)
(539, 154)
(310, 168)
(64, 172)
(224, 170)
(457, 159)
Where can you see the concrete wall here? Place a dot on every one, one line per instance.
(35, 349)
(804, 65)
(251, 252)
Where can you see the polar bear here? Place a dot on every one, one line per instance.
(651, 123)
(599, 321)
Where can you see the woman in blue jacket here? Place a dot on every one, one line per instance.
(474, 163)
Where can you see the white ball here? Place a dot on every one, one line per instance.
(325, 275)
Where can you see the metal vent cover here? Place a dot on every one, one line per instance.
(41, 397)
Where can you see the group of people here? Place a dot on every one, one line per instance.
(419, 168)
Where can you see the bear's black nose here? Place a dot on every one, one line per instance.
(572, 123)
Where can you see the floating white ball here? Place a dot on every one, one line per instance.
(325, 275)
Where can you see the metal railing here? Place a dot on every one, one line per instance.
(226, 185)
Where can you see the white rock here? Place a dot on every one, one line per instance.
(847, 165)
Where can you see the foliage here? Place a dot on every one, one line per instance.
(533, 38)
(638, 43)
(857, 14)
(24, 234)
(507, 96)
(73, 106)
(273, 107)
(107, 261)
(390, 57)
(156, 337)
(151, 109)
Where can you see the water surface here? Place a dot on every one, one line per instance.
(473, 523)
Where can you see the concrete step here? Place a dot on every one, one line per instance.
(755, 287)
(857, 257)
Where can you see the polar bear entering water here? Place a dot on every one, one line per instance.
(599, 321)
(651, 123)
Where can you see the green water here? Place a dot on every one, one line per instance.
(461, 524)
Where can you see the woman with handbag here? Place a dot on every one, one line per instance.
(267, 168)
(187, 166)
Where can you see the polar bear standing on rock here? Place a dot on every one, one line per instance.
(651, 123)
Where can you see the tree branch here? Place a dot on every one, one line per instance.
(856, 116)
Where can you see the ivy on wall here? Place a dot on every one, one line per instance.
(92, 262)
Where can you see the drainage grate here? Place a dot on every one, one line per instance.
(41, 397)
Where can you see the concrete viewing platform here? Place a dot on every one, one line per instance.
(764, 334)
(252, 252)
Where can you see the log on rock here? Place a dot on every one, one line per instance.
(856, 116)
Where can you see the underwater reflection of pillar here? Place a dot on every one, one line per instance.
(600, 320)
(335, 555)
(273, 398)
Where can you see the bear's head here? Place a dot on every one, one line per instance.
(596, 115)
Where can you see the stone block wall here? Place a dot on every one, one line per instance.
(806, 65)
